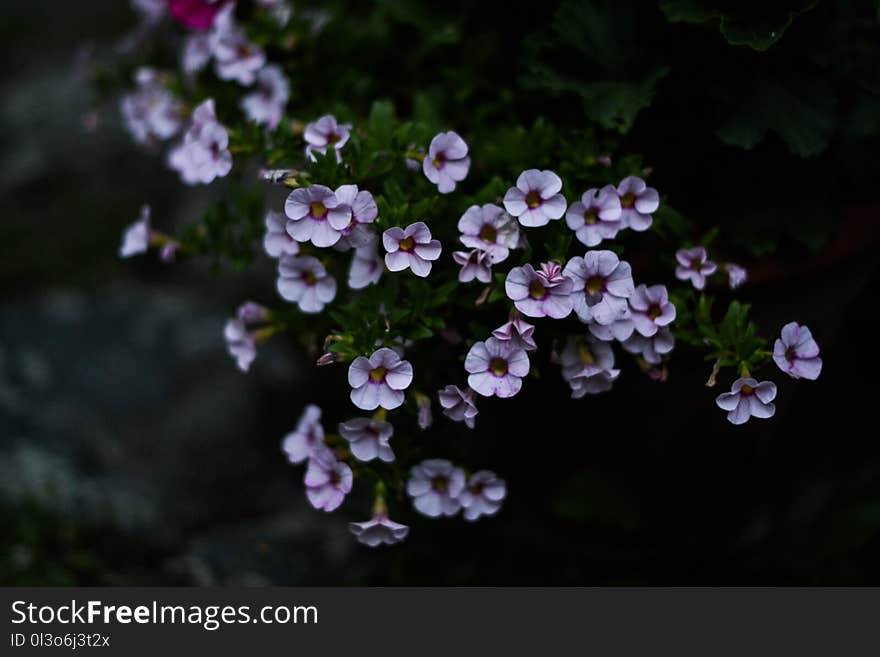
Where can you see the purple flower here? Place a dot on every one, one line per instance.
(363, 212)
(620, 329)
(266, 104)
(587, 366)
(277, 241)
(252, 313)
(536, 199)
(542, 293)
(483, 495)
(796, 352)
(748, 398)
(235, 57)
(495, 368)
(366, 267)
(518, 333)
(490, 229)
(651, 309)
(637, 203)
(446, 162)
(651, 349)
(316, 215)
(152, 112)
(303, 280)
(203, 154)
(327, 480)
(240, 343)
(736, 275)
(458, 404)
(596, 216)
(601, 285)
(326, 132)
(435, 486)
(368, 438)
(306, 438)
(410, 248)
(136, 238)
(378, 530)
(379, 380)
(474, 264)
(694, 266)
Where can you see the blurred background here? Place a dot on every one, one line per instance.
(132, 451)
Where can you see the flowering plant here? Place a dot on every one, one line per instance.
(433, 266)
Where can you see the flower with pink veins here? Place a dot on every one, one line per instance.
(796, 353)
(313, 213)
(518, 333)
(474, 264)
(637, 202)
(596, 216)
(748, 398)
(490, 229)
(536, 199)
(306, 438)
(495, 368)
(379, 380)
(357, 231)
(651, 309)
(601, 285)
(447, 161)
(542, 293)
(303, 280)
(458, 404)
(694, 266)
(326, 133)
(327, 480)
(410, 248)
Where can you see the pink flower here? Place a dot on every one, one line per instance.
(203, 154)
(536, 199)
(651, 309)
(447, 162)
(316, 215)
(306, 438)
(518, 333)
(601, 285)
(410, 248)
(596, 216)
(379, 380)
(474, 264)
(378, 530)
(327, 480)
(637, 203)
(303, 280)
(495, 368)
(796, 352)
(435, 486)
(490, 229)
(542, 293)
(364, 211)
(324, 133)
(693, 266)
(368, 438)
(748, 398)
(483, 495)
(458, 404)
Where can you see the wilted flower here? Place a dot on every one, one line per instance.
(458, 404)
(651, 349)
(796, 352)
(326, 132)
(379, 380)
(587, 366)
(490, 229)
(694, 266)
(483, 495)
(277, 241)
(435, 486)
(366, 267)
(378, 530)
(736, 275)
(596, 216)
(136, 238)
(203, 155)
(536, 199)
(446, 162)
(542, 293)
(303, 280)
(518, 333)
(637, 203)
(368, 438)
(651, 309)
(152, 112)
(363, 208)
(327, 480)
(601, 285)
(266, 104)
(748, 398)
(474, 264)
(306, 438)
(316, 215)
(410, 248)
(496, 368)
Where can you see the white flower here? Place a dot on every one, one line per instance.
(266, 104)
(303, 280)
(483, 495)
(368, 438)
(435, 486)
(136, 238)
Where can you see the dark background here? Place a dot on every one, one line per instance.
(133, 452)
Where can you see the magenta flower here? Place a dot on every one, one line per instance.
(363, 212)
(587, 366)
(327, 480)
(596, 216)
(326, 133)
(366, 267)
(536, 199)
(601, 285)
(410, 248)
(518, 333)
(306, 438)
(490, 229)
(495, 368)
(277, 241)
(265, 106)
(693, 266)
(458, 404)
(637, 203)
(542, 293)
(136, 238)
(194, 14)
(483, 495)
(379, 380)
(316, 215)
(796, 352)
(651, 309)
(378, 530)
(435, 486)
(748, 398)
(651, 349)
(303, 280)
(474, 264)
(368, 438)
(447, 162)
(736, 275)
(151, 112)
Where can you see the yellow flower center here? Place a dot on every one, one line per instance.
(594, 284)
(488, 233)
(536, 290)
(654, 312)
(309, 278)
(333, 138)
(533, 199)
(586, 355)
(378, 374)
(498, 366)
(407, 244)
(318, 210)
(439, 484)
(628, 200)
(747, 390)
(591, 216)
